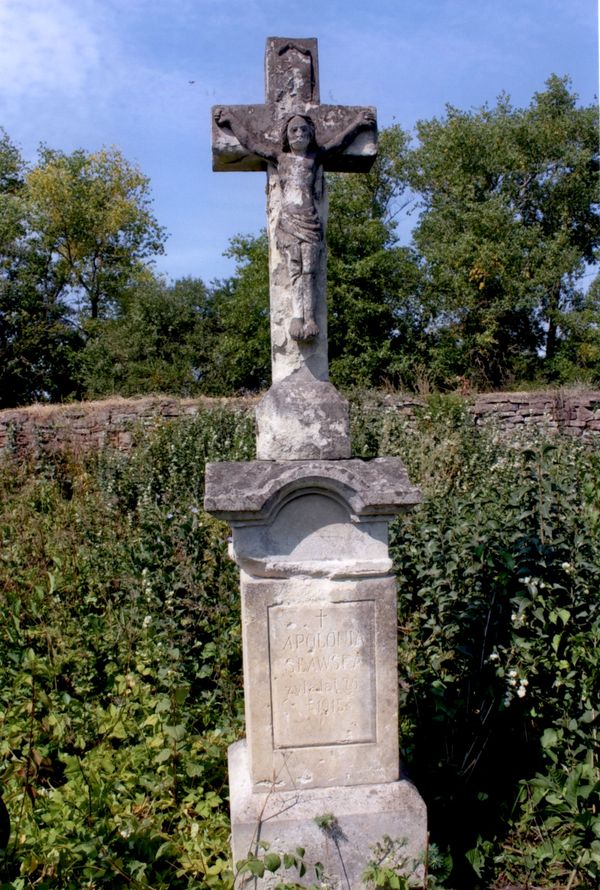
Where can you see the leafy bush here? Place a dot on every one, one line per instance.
(499, 574)
(121, 665)
(121, 660)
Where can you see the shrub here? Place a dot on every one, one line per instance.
(121, 665)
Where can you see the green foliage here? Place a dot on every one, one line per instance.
(11, 184)
(240, 356)
(76, 233)
(121, 677)
(37, 343)
(327, 822)
(577, 358)
(156, 343)
(387, 869)
(121, 681)
(265, 860)
(90, 212)
(510, 216)
(375, 318)
(498, 576)
(391, 868)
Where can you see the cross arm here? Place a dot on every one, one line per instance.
(243, 137)
(365, 121)
(347, 136)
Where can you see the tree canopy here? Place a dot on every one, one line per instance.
(76, 236)
(373, 282)
(37, 343)
(486, 292)
(91, 214)
(509, 218)
(155, 345)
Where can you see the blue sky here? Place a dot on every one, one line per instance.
(88, 73)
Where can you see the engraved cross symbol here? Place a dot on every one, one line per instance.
(321, 616)
(295, 139)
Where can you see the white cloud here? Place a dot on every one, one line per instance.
(78, 72)
(47, 46)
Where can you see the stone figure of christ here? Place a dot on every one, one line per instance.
(299, 232)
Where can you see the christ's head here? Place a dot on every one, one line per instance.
(299, 134)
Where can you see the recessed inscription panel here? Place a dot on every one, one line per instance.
(322, 666)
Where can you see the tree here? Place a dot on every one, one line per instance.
(76, 237)
(91, 216)
(577, 358)
(241, 346)
(509, 219)
(561, 203)
(37, 343)
(376, 323)
(11, 185)
(157, 343)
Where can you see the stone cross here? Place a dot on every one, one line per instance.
(310, 526)
(295, 139)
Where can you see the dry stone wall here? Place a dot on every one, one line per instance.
(575, 412)
(85, 426)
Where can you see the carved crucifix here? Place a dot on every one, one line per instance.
(295, 139)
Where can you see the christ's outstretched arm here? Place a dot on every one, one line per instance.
(226, 118)
(365, 120)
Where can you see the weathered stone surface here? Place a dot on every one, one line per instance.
(302, 418)
(236, 491)
(320, 681)
(313, 534)
(292, 86)
(322, 667)
(295, 140)
(290, 288)
(318, 615)
(229, 156)
(363, 815)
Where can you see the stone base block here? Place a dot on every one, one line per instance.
(364, 815)
(302, 418)
(322, 704)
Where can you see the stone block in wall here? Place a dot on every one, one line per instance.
(582, 412)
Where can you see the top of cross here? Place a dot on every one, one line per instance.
(292, 87)
(291, 71)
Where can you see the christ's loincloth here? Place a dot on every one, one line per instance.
(299, 227)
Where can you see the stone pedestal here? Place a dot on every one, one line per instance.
(363, 814)
(320, 658)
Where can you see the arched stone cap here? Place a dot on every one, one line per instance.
(254, 491)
